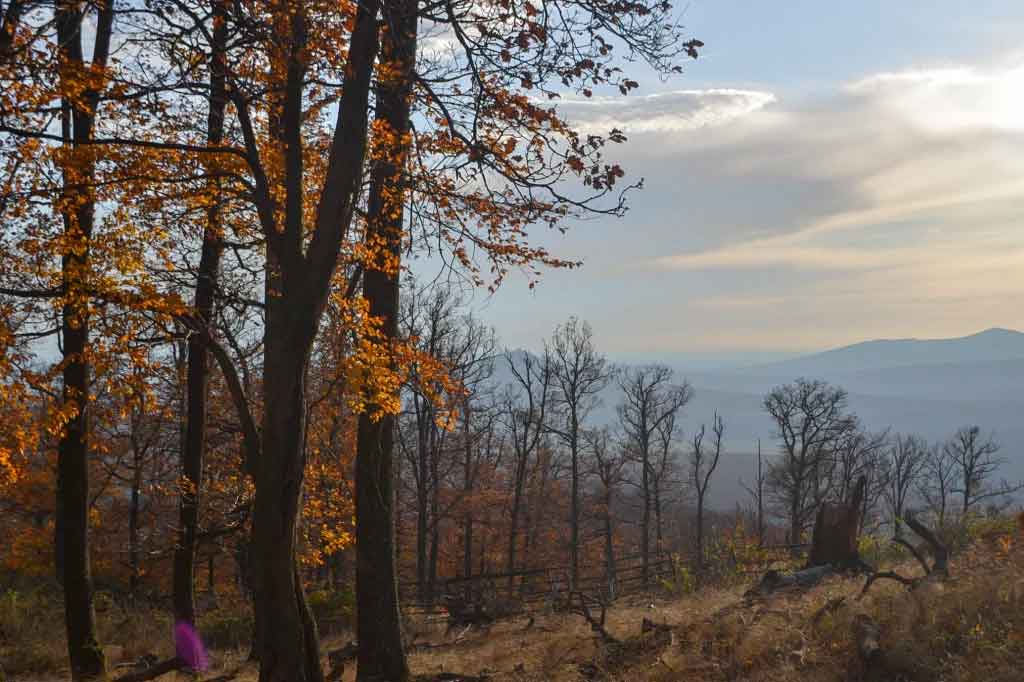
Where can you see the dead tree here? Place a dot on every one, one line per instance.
(939, 567)
(834, 547)
(834, 541)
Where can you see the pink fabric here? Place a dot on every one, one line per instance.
(188, 646)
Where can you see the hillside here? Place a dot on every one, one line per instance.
(968, 628)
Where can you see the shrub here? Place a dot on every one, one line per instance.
(333, 609)
(226, 631)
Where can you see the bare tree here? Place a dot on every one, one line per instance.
(466, 348)
(525, 407)
(649, 399)
(664, 465)
(976, 464)
(939, 472)
(907, 459)
(703, 461)
(757, 495)
(810, 417)
(580, 374)
(856, 453)
(608, 464)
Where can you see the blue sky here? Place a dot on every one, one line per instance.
(827, 172)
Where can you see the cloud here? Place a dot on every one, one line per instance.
(676, 111)
(949, 100)
(884, 207)
(889, 149)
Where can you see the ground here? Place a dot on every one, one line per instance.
(969, 628)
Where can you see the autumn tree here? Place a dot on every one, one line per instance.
(580, 374)
(649, 399)
(197, 386)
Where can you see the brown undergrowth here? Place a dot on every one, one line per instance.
(969, 628)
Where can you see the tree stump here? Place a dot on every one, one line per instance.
(834, 541)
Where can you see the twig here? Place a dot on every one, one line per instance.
(910, 583)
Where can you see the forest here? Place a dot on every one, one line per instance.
(239, 365)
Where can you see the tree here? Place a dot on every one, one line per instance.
(703, 462)
(489, 162)
(197, 388)
(608, 464)
(78, 211)
(580, 374)
(908, 455)
(649, 400)
(859, 453)
(757, 496)
(525, 407)
(976, 463)
(810, 417)
(664, 468)
(939, 473)
(463, 349)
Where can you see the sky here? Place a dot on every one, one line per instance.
(825, 173)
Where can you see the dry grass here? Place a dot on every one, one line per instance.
(968, 629)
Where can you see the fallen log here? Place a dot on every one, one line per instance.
(154, 671)
(773, 580)
(939, 566)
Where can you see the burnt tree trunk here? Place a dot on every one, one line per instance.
(836, 529)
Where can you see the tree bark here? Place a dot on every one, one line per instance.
(609, 547)
(836, 529)
(72, 534)
(645, 523)
(297, 289)
(133, 522)
(198, 373)
(381, 647)
(574, 502)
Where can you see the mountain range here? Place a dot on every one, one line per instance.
(925, 386)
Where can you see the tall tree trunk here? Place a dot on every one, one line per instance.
(197, 381)
(513, 528)
(658, 540)
(609, 547)
(574, 504)
(435, 530)
(467, 489)
(422, 504)
(700, 530)
(133, 523)
(645, 524)
(77, 122)
(381, 655)
(292, 652)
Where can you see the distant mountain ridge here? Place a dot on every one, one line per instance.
(992, 345)
(925, 386)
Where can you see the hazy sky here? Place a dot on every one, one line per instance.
(827, 172)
